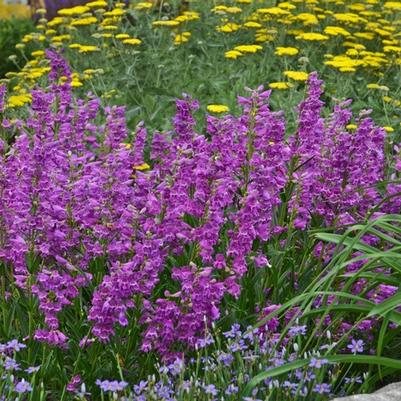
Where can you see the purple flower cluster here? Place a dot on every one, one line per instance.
(336, 170)
(72, 191)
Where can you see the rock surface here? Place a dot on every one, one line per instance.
(392, 392)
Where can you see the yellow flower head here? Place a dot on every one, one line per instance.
(336, 31)
(280, 85)
(273, 11)
(311, 36)
(248, 48)
(141, 167)
(170, 23)
(145, 5)
(286, 51)
(68, 12)
(393, 5)
(233, 54)
(88, 49)
(228, 28)
(252, 24)
(117, 12)
(19, 100)
(132, 41)
(296, 75)
(182, 38)
(84, 21)
(38, 53)
(122, 36)
(96, 4)
(217, 108)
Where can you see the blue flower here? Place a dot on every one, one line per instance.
(318, 363)
(356, 346)
(23, 387)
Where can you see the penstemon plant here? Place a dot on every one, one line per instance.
(91, 230)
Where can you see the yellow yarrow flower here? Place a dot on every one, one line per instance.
(287, 6)
(19, 100)
(84, 21)
(335, 31)
(273, 11)
(392, 49)
(165, 23)
(132, 41)
(311, 36)
(38, 53)
(122, 36)
(248, 48)
(297, 75)
(228, 28)
(141, 167)
(349, 18)
(252, 24)
(280, 85)
(379, 87)
(117, 12)
(217, 108)
(144, 5)
(182, 38)
(393, 5)
(98, 3)
(77, 10)
(88, 49)
(307, 19)
(233, 54)
(286, 51)
(76, 83)
(109, 28)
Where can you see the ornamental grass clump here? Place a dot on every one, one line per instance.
(163, 243)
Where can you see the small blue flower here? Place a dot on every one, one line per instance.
(234, 332)
(210, 389)
(23, 387)
(323, 388)
(356, 346)
(231, 389)
(318, 363)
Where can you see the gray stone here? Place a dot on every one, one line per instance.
(392, 392)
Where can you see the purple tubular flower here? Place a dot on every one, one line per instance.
(72, 385)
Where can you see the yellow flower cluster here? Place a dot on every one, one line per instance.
(99, 23)
(297, 36)
(8, 11)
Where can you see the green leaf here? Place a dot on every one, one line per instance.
(346, 358)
